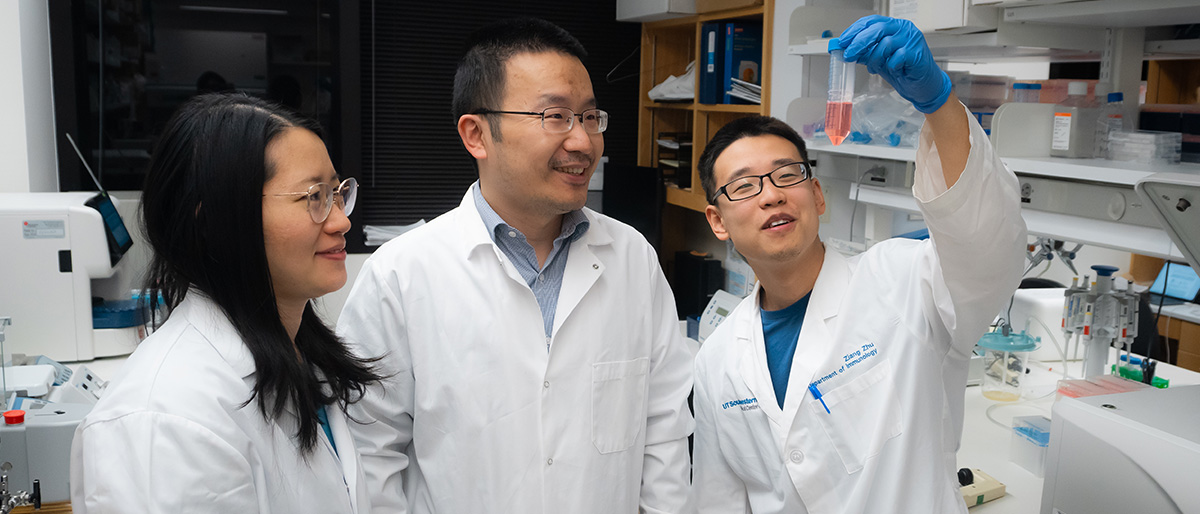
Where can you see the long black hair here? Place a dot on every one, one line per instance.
(201, 211)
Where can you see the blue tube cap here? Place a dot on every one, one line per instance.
(1104, 271)
(834, 44)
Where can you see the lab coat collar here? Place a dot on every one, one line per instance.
(830, 287)
(212, 323)
(474, 234)
(827, 294)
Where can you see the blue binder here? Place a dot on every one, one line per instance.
(712, 69)
(743, 57)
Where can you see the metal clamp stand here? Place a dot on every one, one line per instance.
(9, 501)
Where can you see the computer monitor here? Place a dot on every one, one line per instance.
(1177, 281)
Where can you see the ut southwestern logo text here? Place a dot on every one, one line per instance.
(744, 404)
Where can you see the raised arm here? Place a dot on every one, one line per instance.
(896, 50)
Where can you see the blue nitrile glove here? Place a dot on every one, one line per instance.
(895, 50)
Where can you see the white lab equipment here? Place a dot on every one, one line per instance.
(1127, 452)
(1173, 197)
(1100, 316)
(1137, 451)
(29, 380)
(1040, 312)
(61, 250)
(39, 447)
(83, 387)
(718, 308)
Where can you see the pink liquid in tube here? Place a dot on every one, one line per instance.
(837, 121)
(841, 95)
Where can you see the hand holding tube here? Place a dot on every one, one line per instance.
(896, 50)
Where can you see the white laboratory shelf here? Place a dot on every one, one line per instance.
(1108, 234)
(1109, 13)
(1010, 41)
(1087, 170)
(1172, 49)
(1093, 170)
(1029, 42)
(815, 47)
(874, 151)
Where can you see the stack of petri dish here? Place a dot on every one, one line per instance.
(1146, 146)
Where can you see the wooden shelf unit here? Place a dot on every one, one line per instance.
(667, 48)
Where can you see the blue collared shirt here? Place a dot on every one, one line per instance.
(547, 281)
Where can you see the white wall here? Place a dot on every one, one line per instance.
(26, 99)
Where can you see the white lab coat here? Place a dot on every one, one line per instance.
(170, 435)
(480, 417)
(886, 339)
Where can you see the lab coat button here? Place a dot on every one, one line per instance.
(549, 462)
(797, 456)
(546, 384)
(595, 266)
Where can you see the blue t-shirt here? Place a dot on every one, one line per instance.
(323, 419)
(781, 330)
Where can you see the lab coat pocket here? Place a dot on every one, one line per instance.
(863, 415)
(618, 403)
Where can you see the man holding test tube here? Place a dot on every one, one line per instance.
(837, 387)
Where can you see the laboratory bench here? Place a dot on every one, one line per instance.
(985, 444)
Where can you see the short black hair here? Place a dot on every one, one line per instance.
(750, 126)
(201, 212)
(479, 80)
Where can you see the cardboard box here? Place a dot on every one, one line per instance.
(1143, 269)
(706, 6)
(654, 10)
(1188, 361)
(1169, 327)
(1189, 337)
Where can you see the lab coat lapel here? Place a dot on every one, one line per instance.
(477, 242)
(582, 270)
(347, 456)
(753, 365)
(820, 325)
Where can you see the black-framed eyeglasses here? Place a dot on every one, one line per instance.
(744, 188)
(558, 120)
(322, 196)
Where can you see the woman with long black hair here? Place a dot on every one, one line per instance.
(236, 404)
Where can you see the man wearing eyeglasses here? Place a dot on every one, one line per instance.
(837, 387)
(537, 360)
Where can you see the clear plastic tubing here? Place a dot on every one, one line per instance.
(841, 95)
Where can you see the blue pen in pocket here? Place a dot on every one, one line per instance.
(817, 394)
